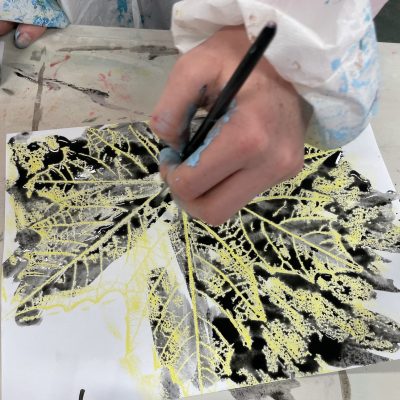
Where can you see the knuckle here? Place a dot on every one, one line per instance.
(259, 143)
(253, 144)
(210, 216)
(244, 146)
(292, 162)
(182, 187)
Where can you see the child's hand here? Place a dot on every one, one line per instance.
(259, 143)
(25, 35)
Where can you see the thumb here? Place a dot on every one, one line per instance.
(191, 82)
(25, 35)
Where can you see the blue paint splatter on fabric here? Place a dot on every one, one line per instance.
(123, 13)
(122, 7)
(367, 14)
(344, 87)
(358, 84)
(363, 73)
(37, 12)
(343, 111)
(363, 45)
(367, 52)
(335, 64)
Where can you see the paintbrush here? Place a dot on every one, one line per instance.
(229, 92)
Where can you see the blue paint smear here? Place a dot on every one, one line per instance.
(369, 63)
(358, 84)
(344, 87)
(363, 45)
(338, 135)
(122, 7)
(335, 64)
(194, 159)
(367, 14)
(169, 156)
(37, 12)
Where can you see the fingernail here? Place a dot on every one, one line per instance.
(22, 40)
(169, 156)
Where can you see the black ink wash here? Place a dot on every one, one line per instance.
(280, 289)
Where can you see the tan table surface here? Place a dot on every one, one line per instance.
(89, 75)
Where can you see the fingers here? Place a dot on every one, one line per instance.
(190, 83)
(222, 154)
(225, 199)
(6, 26)
(223, 202)
(25, 35)
(238, 164)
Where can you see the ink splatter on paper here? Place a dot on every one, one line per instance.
(281, 290)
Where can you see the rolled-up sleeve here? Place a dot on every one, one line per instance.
(36, 12)
(326, 49)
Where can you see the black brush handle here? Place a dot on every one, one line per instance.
(229, 92)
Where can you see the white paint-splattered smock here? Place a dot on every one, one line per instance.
(326, 48)
(59, 13)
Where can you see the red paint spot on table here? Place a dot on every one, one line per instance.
(66, 58)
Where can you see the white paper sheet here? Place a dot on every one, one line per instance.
(101, 340)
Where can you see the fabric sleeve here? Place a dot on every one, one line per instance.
(122, 13)
(36, 12)
(377, 6)
(327, 49)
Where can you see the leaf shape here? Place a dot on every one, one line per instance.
(79, 206)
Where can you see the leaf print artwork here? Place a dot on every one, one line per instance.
(291, 286)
